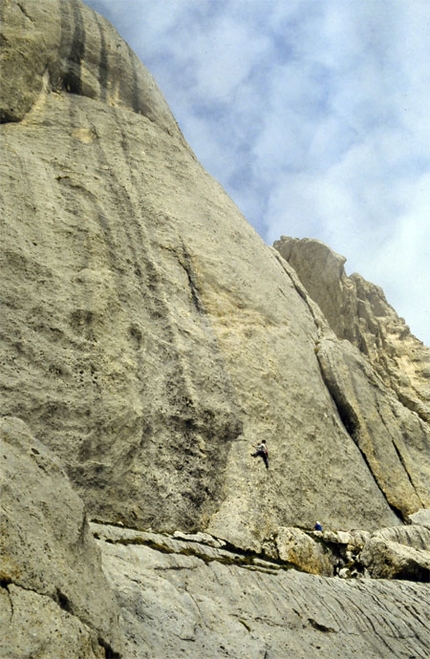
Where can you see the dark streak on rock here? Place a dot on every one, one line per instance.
(63, 601)
(186, 263)
(23, 9)
(109, 652)
(4, 582)
(72, 48)
(406, 470)
(351, 424)
(135, 100)
(103, 64)
(320, 627)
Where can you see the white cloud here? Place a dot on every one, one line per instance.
(313, 115)
(402, 266)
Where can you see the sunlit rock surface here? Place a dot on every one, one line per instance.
(150, 339)
(54, 598)
(180, 597)
(358, 311)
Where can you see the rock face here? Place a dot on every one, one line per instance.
(54, 598)
(357, 310)
(377, 386)
(150, 339)
(203, 605)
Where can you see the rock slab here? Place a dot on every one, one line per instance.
(176, 603)
(55, 600)
(150, 339)
(161, 338)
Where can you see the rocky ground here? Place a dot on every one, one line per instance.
(191, 597)
(71, 590)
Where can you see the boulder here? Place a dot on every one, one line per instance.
(385, 559)
(398, 553)
(301, 550)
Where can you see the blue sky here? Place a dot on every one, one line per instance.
(314, 115)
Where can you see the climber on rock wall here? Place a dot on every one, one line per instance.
(262, 451)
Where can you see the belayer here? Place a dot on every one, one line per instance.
(261, 451)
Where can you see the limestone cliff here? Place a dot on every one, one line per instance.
(358, 311)
(150, 338)
(54, 597)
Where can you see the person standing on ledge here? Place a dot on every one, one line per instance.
(261, 451)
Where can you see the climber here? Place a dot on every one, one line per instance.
(318, 526)
(262, 452)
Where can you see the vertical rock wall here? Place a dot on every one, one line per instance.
(378, 373)
(150, 337)
(54, 598)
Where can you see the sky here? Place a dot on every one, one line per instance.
(314, 115)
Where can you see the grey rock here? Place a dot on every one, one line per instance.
(416, 536)
(150, 350)
(175, 604)
(390, 437)
(50, 567)
(421, 517)
(377, 372)
(301, 550)
(385, 559)
(33, 625)
(203, 538)
(182, 544)
(144, 362)
(398, 553)
(354, 539)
